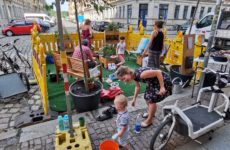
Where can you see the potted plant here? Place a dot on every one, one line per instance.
(85, 93)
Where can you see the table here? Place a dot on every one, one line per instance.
(106, 61)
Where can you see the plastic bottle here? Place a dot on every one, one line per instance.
(66, 122)
(137, 127)
(60, 123)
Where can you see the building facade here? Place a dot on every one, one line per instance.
(15, 9)
(148, 11)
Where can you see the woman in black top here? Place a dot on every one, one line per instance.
(155, 45)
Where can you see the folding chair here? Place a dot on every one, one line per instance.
(142, 45)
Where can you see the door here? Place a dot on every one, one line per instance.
(143, 12)
(28, 27)
(19, 27)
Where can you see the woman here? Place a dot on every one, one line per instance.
(158, 87)
(155, 46)
(86, 31)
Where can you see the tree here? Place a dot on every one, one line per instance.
(99, 5)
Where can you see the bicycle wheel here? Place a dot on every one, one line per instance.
(162, 135)
(25, 80)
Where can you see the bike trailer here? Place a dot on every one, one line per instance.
(11, 87)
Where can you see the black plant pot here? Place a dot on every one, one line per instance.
(174, 72)
(85, 101)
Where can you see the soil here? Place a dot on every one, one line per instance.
(79, 88)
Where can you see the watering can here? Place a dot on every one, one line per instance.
(177, 85)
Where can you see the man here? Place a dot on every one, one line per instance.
(87, 54)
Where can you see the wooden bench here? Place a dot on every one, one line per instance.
(74, 67)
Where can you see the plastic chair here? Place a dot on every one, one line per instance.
(109, 145)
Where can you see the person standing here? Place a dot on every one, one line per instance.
(120, 51)
(158, 87)
(155, 46)
(86, 32)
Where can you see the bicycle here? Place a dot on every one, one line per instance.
(22, 58)
(7, 66)
(196, 120)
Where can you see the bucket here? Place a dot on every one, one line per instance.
(109, 145)
(177, 85)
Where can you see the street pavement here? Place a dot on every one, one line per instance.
(42, 135)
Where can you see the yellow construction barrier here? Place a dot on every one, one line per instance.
(80, 141)
(175, 52)
(198, 49)
(39, 67)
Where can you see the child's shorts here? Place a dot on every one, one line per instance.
(121, 56)
(123, 139)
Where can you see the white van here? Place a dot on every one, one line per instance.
(203, 26)
(44, 17)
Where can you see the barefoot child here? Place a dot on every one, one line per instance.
(120, 51)
(122, 121)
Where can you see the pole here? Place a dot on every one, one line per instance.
(64, 66)
(211, 40)
(79, 38)
(193, 17)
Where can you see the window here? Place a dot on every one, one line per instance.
(1, 15)
(47, 18)
(176, 13)
(185, 12)
(123, 11)
(163, 11)
(209, 9)
(120, 12)
(192, 11)
(4, 12)
(201, 12)
(207, 21)
(19, 23)
(129, 13)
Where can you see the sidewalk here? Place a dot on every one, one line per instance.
(220, 141)
(42, 136)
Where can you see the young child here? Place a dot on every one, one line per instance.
(122, 121)
(120, 51)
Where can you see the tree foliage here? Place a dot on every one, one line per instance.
(98, 5)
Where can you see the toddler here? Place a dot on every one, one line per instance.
(122, 121)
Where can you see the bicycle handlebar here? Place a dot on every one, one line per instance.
(216, 72)
(10, 43)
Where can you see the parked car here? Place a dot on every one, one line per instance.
(44, 25)
(101, 25)
(44, 17)
(19, 27)
(185, 26)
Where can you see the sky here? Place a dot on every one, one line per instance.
(64, 7)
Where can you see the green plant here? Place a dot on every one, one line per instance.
(112, 27)
(107, 51)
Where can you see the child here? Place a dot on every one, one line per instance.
(120, 51)
(122, 121)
